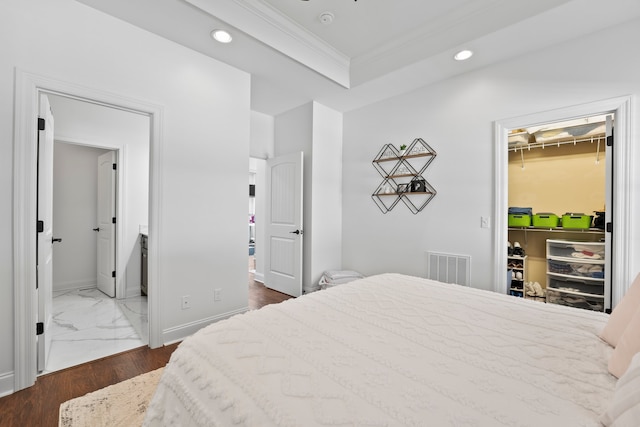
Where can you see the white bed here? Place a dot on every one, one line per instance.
(391, 350)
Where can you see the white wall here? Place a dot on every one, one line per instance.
(456, 117)
(75, 181)
(203, 152)
(316, 130)
(326, 198)
(87, 123)
(261, 145)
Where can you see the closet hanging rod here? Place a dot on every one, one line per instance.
(558, 143)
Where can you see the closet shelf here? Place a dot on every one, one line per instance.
(600, 137)
(559, 230)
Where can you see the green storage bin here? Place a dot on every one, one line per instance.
(576, 221)
(545, 220)
(519, 220)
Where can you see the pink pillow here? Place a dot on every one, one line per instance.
(624, 408)
(628, 345)
(621, 314)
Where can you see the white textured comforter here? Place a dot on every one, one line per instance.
(391, 350)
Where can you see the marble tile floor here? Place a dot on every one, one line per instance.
(88, 325)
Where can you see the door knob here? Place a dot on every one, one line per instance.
(56, 239)
(296, 232)
(96, 229)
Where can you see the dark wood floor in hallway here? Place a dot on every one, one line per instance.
(39, 405)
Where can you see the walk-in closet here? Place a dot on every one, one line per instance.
(559, 190)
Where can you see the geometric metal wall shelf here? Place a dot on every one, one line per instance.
(402, 178)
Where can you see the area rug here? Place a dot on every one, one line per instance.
(123, 404)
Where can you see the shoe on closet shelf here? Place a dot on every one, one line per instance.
(529, 290)
(517, 250)
(539, 292)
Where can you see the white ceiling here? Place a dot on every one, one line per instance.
(373, 49)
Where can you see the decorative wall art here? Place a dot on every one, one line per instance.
(402, 178)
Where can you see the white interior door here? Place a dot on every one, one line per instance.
(283, 224)
(45, 230)
(107, 223)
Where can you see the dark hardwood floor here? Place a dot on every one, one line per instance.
(39, 405)
(260, 295)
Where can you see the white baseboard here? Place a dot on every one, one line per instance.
(76, 284)
(258, 277)
(6, 384)
(308, 290)
(179, 333)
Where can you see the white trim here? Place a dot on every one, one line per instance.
(261, 21)
(24, 220)
(621, 273)
(6, 384)
(74, 285)
(179, 333)
(28, 87)
(86, 143)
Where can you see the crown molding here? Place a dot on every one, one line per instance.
(267, 25)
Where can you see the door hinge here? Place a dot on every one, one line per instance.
(113, 220)
(609, 227)
(113, 274)
(114, 166)
(39, 328)
(41, 123)
(39, 226)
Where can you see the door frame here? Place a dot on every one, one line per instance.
(621, 273)
(121, 185)
(28, 87)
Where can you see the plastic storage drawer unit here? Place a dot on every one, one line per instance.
(588, 302)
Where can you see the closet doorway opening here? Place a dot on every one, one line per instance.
(618, 211)
(559, 198)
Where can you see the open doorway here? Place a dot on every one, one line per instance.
(252, 221)
(620, 219)
(91, 317)
(559, 193)
(29, 87)
(256, 255)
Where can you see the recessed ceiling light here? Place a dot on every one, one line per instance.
(222, 36)
(462, 55)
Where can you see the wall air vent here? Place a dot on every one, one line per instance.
(449, 268)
